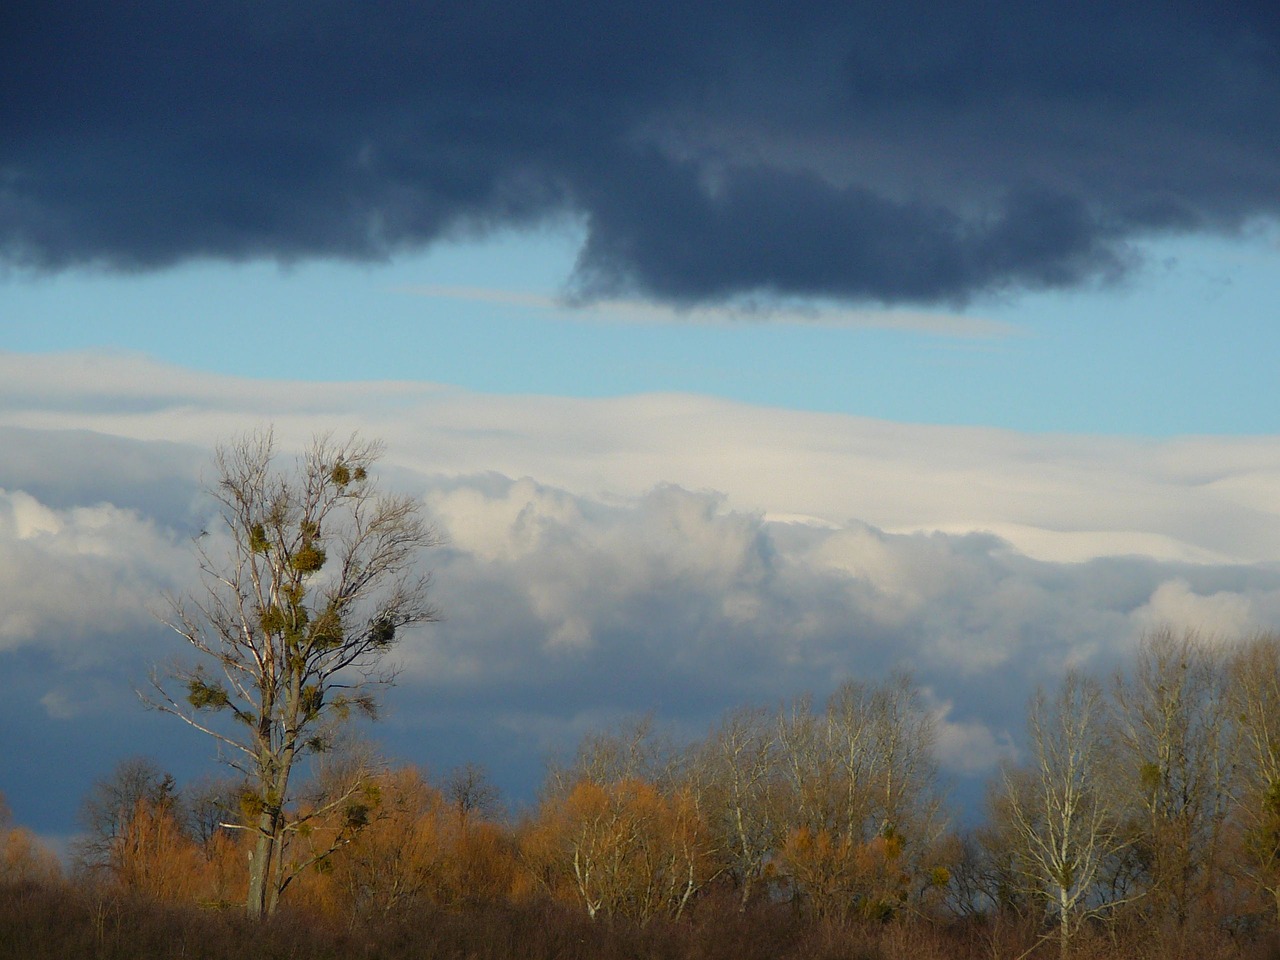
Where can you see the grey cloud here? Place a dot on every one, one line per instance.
(73, 578)
(673, 604)
(80, 468)
(897, 153)
(565, 611)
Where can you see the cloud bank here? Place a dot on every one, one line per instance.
(605, 557)
(1052, 497)
(902, 154)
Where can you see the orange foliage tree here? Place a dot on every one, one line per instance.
(23, 857)
(622, 848)
(416, 847)
(858, 800)
(394, 861)
(153, 855)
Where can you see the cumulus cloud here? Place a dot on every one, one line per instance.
(706, 152)
(561, 606)
(666, 554)
(1213, 612)
(78, 581)
(970, 747)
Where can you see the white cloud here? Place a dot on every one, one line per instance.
(61, 705)
(666, 553)
(21, 517)
(672, 587)
(970, 747)
(71, 577)
(1069, 498)
(1224, 613)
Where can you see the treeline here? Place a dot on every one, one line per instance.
(1142, 819)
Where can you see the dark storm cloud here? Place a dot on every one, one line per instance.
(881, 152)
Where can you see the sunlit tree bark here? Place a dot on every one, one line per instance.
(1060, 815)
(738, 768)
(859, 798)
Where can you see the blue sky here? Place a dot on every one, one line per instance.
(736, 350)
(1182, 346)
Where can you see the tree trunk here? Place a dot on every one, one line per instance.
(260, 902)
(259, 859)
(1064, 930)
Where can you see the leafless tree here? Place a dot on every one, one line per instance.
(808, 769)
(110, 804)
(885, 741)
(205, 806)
(1255, 696)
(633, 749)
(738, 768)
(858, 802)
(1174, 765)
(308, 583)
(1057, 811)
(471, 793)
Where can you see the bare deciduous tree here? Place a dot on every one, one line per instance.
(307, 584)
(635, 749)
(1174, 767)
(110, 804)
(1255, 697)
(471, 793)
(858, 798)
(1061, 816)
(738, 767)
(885, 740)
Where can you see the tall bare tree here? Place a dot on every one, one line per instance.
(1175, 754)
(738, 766)
(1059, 815)
(308, 583)
(885, 738)
(859, 805)
(1255, 695)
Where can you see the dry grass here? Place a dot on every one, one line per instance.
(61, 922)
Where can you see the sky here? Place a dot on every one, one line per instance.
(735, 352)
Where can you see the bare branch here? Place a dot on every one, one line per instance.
(312, 584)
